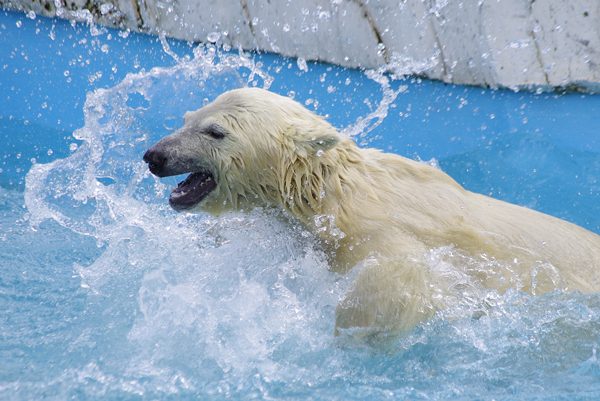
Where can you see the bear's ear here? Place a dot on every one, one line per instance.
(187, 116)
(318, 143)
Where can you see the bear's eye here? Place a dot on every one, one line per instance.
(215, 131)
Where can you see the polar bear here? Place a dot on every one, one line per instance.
(252, 147)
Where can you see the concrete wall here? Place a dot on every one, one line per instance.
(497, 43)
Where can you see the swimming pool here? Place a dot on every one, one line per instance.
(107, 293)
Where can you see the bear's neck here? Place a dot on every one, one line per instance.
(338, 197)
(361, 201)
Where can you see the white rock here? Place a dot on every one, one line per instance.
(332, 31)
(497, 43)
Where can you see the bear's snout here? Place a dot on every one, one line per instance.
(156, 161)
(172, 157)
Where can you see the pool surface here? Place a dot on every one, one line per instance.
(106, 293)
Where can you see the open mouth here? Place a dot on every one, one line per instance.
(192, 190)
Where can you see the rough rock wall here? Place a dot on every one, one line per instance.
(497, 43)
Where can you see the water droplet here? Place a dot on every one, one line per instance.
(302, 64)
(31, 14)
(92, 78)
(170, 123)
(286, 28)
(73, 147)
(213, 37)
(105, 8)
(319, 154)
(324, 15)
(50, 152)
(19, 23)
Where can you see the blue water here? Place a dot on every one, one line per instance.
(106, 293)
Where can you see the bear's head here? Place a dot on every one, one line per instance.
(249, 146)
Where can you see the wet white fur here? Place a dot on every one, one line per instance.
(379, 207)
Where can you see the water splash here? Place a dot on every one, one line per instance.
(399, 67)
(168, 305)
(102, 178)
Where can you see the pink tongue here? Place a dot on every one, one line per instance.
(192, 190)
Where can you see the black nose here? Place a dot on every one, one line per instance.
(156, 161)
